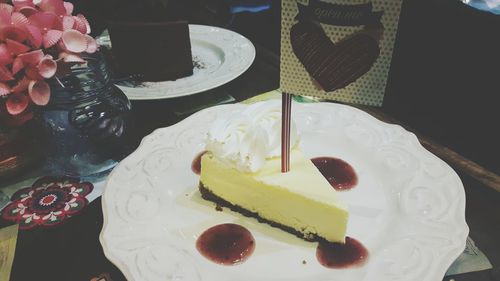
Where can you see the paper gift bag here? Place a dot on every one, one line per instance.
(338, 49)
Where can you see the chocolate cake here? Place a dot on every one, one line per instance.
(158, 51)
(333, 65)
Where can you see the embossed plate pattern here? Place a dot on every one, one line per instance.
(219, 55)
(408, 208)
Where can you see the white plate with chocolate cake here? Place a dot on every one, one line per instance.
(363, 200)
(218, 56)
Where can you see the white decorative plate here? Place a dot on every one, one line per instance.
(408, 208)
(219, 56)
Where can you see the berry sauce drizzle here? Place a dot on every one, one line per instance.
(339, 173)
(226, 244)
(338, 255)
(196, 164)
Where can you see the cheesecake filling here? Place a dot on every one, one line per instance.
(300, 199)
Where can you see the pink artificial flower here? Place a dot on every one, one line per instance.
(21, 86)
(71, 58)
(31, 58)
(91, 44)
(4, 89)
(12, 24)
(56, 7)
(23, 3)
(32, 33)
(37, 67)
(16, 48)
(81, 24)
(69, 8)
(74, 41)
(5, 74)
(25, 7)
(5, 55)
(47, 67)
(49, 27)
(39, 92)
(16, 103)
(8, 8)
(29, 62)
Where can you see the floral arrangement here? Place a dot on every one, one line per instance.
(39, 39)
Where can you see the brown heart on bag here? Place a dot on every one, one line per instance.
(334, 65)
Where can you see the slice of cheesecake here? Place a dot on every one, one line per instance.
(301, 201)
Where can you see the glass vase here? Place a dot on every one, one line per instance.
(86, 121)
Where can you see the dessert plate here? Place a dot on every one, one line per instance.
(408, 208)
(219, 56)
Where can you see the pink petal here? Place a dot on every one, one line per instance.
(47, 67)
(68, 22)
(5, 18)
(5, 55)
(4, 89)
(58, 24)
(23, 3)
(69, 8)
(44, 20)
(80, 25)
(74, 41)
(91, 44)
(19, 19)
(39, 92)
(51, 38)
(5, 74)
(6, 7)
(21, 86)
(35, 36)
(53, 6)
(14, 33)
(16, 48)
(17, 103)
(86, 22)
(32, 73)
(17, 65)
(69, 57)
(31, 58)
(28, 11)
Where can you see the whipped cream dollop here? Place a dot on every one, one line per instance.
(248, 137)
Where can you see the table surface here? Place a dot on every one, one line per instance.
(72, 251)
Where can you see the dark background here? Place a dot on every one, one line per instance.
(445, 73)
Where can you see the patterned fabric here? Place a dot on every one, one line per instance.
(48, 202)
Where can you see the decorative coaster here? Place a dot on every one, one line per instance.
(49, 202)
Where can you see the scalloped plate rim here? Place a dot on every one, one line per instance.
(445, 263)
